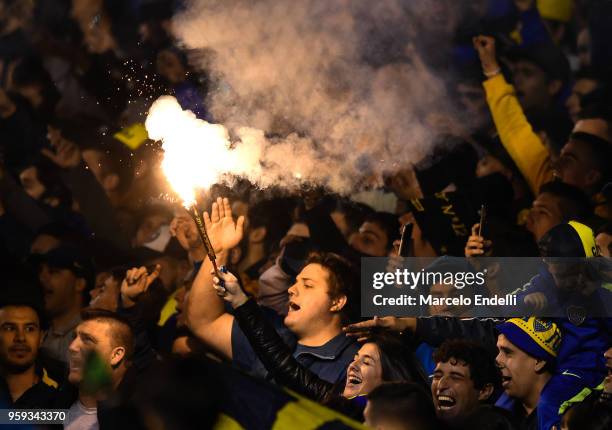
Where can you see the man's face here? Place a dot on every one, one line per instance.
(149, 228)
(309, 301)
(20, 337)
(61, 289)
(30, 183)
(581, 88)
(474, 103)
(572, 276)
(518, 369)
(453, 391)
(91, 336)
(364, 373)
(604, 242)
(105, 295)
(575, 165)
(544, 214)
(371, 240)
(532, 87)
(443, 291)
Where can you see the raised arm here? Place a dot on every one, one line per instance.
(516, 134)
(206, 316)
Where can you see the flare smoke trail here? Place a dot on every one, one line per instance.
(336, 83)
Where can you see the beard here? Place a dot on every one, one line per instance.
(11, 366)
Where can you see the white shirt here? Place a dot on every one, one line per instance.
(81, 418)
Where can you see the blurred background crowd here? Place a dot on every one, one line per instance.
(96, 257)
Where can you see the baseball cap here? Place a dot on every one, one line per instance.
(572, 239)
(73, 259)
(537, 337)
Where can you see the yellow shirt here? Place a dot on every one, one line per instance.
(516, 134)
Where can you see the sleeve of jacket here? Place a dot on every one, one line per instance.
(522, 143)
(436, 330)
(276, 355)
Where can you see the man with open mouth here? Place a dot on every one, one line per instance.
(465, 377)
(527, 351)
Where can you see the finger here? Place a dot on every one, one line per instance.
(214, 216)
(227, 207)
(240, 224)
(475, 229)
(173, 226)
(49, 154)
(153, 275)
(221, 207)
(207, 220)
(356, 327)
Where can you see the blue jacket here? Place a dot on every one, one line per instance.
(584, 342)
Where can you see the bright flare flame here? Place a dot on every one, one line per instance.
(197, 153)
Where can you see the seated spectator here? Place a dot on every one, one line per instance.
(66, 276)
(400, 406)
(464, 378)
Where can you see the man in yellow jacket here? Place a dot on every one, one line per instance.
(584, 159)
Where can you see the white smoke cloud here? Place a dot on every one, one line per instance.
(312, 73)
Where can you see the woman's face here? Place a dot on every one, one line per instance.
(364, 373)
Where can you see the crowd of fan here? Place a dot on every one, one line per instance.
(110, 306)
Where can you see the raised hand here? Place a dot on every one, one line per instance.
(485, 46)
(223, 231)
(66, 155)
(362, 330)
(476, 245)
(537, 301)
(136, 282)
(229, 289)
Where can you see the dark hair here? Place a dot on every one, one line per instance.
(122, 333)
(397, 360)
(343, 280)
(601, 154)
(31, 71)
(487, 417)
(22, 288)
(117, 159)
(403, 402)
(275, 216)
(354, 213)
(573, 202)
(389, 223)
(483, 369)
(590, 415)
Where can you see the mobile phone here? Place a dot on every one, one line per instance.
(483, 215)
(406, 240)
